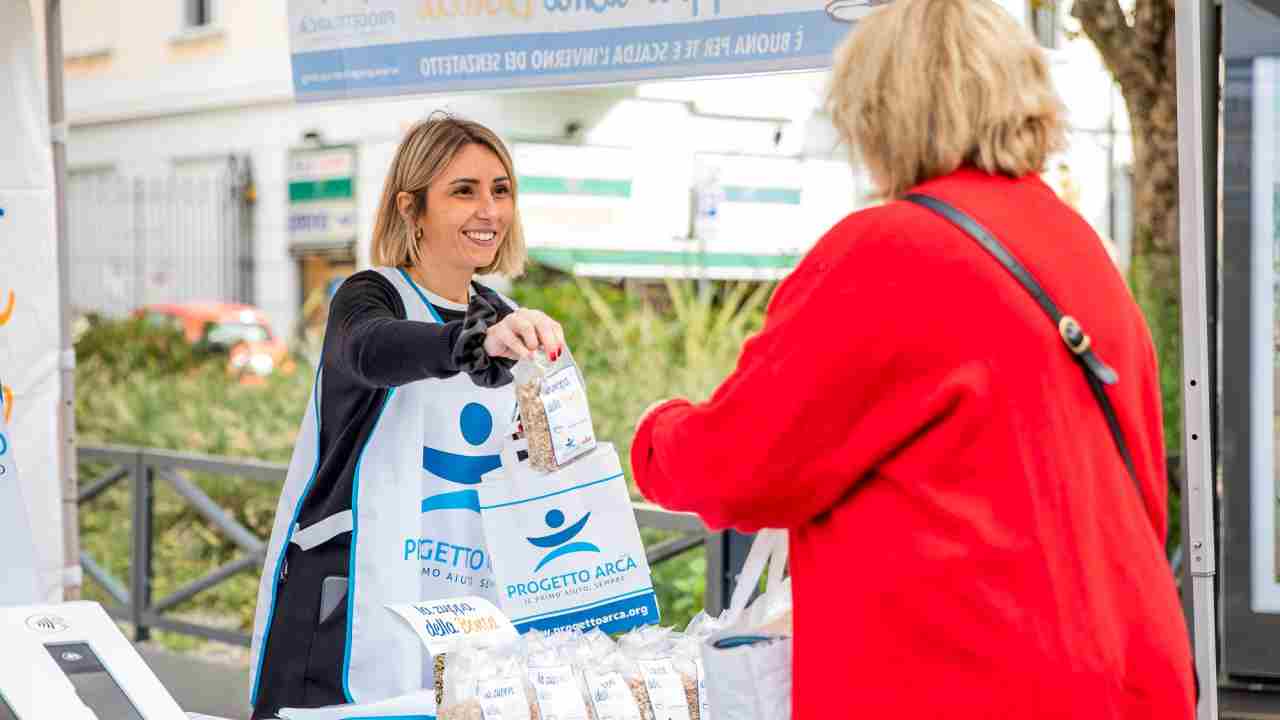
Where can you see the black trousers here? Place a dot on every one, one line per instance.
(302, 653)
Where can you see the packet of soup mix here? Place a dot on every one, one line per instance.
(687, 658)
(670, 691)
(446, 625)
(612, 697)
(549, 657)
(617, 688)
(556, 689)
(553, 409)
(669, 679)
(487, 684)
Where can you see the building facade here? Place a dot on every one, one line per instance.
(195, 175)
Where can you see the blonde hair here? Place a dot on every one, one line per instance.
(921, 87)
(424, 153)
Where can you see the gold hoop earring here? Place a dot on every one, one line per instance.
(417, 234)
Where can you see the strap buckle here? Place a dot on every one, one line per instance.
(1073, 335)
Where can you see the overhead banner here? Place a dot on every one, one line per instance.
(362, 48)
(29, 319)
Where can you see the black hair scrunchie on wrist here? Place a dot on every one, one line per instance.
(468, 352)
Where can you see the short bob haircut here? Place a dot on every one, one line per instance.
(921, 87)
(424, 153)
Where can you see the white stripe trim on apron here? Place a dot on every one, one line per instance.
(322, 532)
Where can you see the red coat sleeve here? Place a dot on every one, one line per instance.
(826, 391)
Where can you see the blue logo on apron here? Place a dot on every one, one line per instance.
(558, 540)
(476, 423)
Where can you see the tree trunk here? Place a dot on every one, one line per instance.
(1154, 271)
(1139, 50)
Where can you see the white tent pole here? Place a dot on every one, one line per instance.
(67, 357)
(1198, 492)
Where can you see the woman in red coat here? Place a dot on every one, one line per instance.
(966, 541)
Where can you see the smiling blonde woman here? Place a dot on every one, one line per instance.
(412, 399)
(966, 540)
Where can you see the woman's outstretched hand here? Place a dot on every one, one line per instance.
(521, 333)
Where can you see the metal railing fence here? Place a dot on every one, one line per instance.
(143, 469)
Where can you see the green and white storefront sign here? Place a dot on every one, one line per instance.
(322, 201)
(622, 212)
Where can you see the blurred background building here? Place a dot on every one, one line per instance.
(195, 176)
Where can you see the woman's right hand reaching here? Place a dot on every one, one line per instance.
(519, 334)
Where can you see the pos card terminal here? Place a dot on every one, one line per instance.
(69, 660)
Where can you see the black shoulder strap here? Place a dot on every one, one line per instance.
(1096, 372)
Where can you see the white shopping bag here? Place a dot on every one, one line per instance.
(748, 668)
(565, 546)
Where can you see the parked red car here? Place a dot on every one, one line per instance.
(242, 331)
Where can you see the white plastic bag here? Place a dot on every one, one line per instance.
(565, 545)
(748, 669)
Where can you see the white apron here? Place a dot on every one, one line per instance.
(414, 518)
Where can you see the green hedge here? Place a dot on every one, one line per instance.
(141, 385)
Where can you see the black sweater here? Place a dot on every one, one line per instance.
(369, 347)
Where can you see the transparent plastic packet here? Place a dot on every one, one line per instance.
(647, 641)
(439, 662)
(592, 646)
(689, 653)
(445, 650)
(703, 625)
(617, 688)
(556, 678)
(606, 691)
(536, 644)
(686, 656)
(554, 413)
(666, 672)
(488, 684)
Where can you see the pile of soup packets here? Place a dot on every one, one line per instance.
(650, 673)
